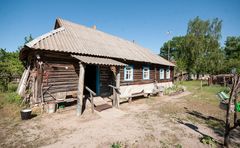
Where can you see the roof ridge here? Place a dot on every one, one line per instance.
(89, 28)
(33, 42)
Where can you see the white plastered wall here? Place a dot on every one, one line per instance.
(128, 90)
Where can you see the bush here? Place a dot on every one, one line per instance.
(173, 89)
(208, 140)
(116, 145)
(12, 87)
(13, 97)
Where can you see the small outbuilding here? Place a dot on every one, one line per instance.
(62, 63)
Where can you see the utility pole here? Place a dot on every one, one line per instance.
(168, 33)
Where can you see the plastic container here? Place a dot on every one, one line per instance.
(26, 114)
(238, 107)
(51, 107)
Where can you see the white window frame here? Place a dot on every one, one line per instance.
(145, 70)
(161, 74)
(128, 73)
(168, 73)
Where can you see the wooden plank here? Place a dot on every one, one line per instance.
(23, 82)
(118, 86)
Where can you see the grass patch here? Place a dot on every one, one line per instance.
(10, 105)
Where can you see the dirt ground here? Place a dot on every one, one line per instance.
(148, 122)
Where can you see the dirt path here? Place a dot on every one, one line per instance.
(150, 122)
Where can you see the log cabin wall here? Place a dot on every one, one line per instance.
(59, 76)
(138, 74)
(158, 67)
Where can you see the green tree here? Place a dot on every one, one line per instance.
(10, 65)
(199, 50)
(232, 52)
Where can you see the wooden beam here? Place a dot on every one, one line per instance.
(80, 88)
(118, 86)
(92, 104)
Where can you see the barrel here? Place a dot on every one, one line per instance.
(51, 107)
(26, 114)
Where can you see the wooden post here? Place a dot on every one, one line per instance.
(155, 73)
(80, 88)
(224, 81)
(118, 86)
(114, 97)
(92, 104)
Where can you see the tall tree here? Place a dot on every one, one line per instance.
(199, 50)
(232, 54)
(10, 65)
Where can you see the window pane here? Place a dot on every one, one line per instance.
(145, 73)
(128, 73)
(161, 73)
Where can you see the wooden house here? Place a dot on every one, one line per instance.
(61, 63)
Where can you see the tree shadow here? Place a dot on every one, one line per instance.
(196, 129)
(217, 125)
(235, 136)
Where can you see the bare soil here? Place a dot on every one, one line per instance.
(175, 121)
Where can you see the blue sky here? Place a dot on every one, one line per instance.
(145, 21)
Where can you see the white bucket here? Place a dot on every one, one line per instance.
(51, 107)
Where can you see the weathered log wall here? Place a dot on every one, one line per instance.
(61, 77)
(138, 74)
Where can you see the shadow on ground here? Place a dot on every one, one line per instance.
(217, 125)
(196, 129)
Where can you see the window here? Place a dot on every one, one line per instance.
(145, 73)
(161, 74)
(128, 73)
(168, 73)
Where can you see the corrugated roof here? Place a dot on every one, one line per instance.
(98, 60)
(78, 39)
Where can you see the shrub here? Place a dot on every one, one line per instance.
(208, 140)
(116, 145)
(13, 97)
(12, 87)
(173, 89)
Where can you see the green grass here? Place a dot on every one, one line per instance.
(9, 105)
(204, 93)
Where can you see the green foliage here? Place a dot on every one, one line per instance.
(208, 140)
(199, 50)
(232, 52)
(116, 145)
(173, 89)
(10, 66)
(178, 146)
(13, 97)
(12, 87)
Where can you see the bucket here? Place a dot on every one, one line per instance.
(26, 114)
(51, 107)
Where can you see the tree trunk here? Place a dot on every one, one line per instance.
(235, 109)
(233, 93)
(198, 76)
(227, 125)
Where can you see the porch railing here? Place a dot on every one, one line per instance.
(92, 93)
(116, 93)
